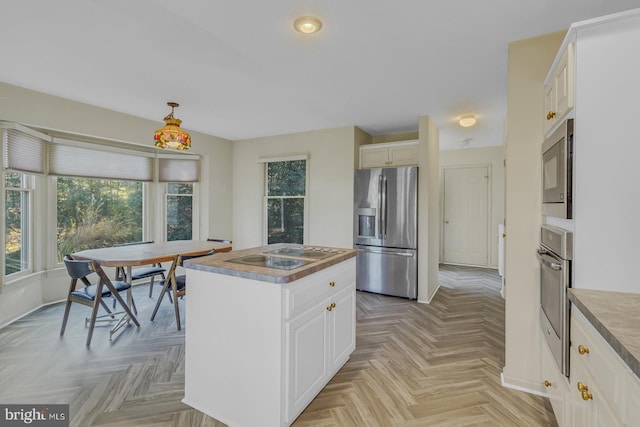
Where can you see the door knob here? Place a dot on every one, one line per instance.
(446, 221)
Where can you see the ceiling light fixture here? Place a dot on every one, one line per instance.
(171, 136)
(467, 120)
(307, 24)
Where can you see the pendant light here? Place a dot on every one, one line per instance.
(171, 135)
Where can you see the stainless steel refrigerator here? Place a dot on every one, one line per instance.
(385, 230)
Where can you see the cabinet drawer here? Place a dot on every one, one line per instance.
(314, 289)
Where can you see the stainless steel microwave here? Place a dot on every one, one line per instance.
(557, 171)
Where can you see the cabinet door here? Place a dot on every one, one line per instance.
(563, 81)
(632, 399)
(554, 383)
(404, 155)
(374, 157)
(549, 105)
(306, 338)
(342, 328)
(591, 408)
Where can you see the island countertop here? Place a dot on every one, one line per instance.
(615, 315)
(254, 263)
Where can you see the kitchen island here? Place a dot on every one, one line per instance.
(267, 328)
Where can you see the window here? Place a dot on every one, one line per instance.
(17, 212)
(286, 183)
(98, 189)
(179, 205)
(96, 213)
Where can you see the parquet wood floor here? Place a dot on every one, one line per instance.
(414, 365)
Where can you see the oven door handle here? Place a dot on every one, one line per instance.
(542, 257)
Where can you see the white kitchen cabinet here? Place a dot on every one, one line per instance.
(393, 154)
(257, 353)
(319, 342)
(602, 391)
(558, 89)
(598, 378)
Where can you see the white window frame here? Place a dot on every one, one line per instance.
(194, 209)
(27, 187)
(266, 197)
(53, 213)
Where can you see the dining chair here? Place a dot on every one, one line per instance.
(222, 241)
(176, 286)
(141, 272)
(93, 295)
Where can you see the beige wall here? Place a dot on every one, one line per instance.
(428, 209)
(486, 156)
(331, 164)
(47, 111)
(529, 62)
(394, 137)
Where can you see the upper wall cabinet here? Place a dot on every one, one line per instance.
(387, 155)
(558, 90)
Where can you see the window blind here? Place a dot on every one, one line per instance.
(75, 160)
(28, 150)
(178, 170)
(24, 152)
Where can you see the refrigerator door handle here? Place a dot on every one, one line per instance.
(380, 205)
(383, 211)
(386, 252)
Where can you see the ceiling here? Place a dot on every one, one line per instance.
(239, 70)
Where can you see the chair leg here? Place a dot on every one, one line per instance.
(162, 292)
(102, 303)
(133, 304)
(175, 305)
(151, 287)
(94, 314)
(66, 316)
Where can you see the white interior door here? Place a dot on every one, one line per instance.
(466, 215)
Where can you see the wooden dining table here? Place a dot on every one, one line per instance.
(130, 256)
(149, 253)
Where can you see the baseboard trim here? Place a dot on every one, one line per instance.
(525, 386)
(428, 301)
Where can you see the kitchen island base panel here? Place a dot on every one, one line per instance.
(252, 359)
(231, 341)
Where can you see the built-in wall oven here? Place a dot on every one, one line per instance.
(555, 253)
(557, 172)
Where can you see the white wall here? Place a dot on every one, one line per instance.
(529, 62)
(493, 158)
(607, 153)
(331, 164)
(47, 111)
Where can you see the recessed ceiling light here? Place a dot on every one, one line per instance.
(467, 120)
(307, 24)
